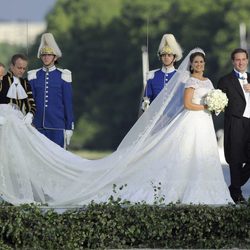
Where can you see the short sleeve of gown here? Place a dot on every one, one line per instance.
(191, 83)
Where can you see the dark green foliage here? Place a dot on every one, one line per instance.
(7, 51)
(121, 225)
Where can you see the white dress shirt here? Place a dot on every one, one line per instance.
(243, 80)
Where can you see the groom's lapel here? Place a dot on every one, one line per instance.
(237, 85)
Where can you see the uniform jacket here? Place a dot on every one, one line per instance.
(52, 91)
(157, 79)
(25, 105)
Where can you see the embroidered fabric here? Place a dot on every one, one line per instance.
(168, 147)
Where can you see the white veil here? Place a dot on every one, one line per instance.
(167, 105)
(128, 164)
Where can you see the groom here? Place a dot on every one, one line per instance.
(237, 123)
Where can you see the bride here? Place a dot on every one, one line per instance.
(170, 154)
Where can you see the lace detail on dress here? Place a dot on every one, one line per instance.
(192, 83)
(201, 87)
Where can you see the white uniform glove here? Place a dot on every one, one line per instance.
(68, 134)
(28, 118)
(2, 120)
(145, 103)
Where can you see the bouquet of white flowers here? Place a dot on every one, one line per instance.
(216, 101)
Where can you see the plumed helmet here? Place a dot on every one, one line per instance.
(48, 46)
(169, 45)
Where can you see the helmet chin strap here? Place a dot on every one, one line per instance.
(169, 63)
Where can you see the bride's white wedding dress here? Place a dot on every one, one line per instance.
(174, 158)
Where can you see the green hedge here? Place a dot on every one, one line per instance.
(117, 225)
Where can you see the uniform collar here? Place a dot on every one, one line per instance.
(49, 69)
(10, 74)
(16, 80)
(168, 70)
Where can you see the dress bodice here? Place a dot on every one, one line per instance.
(201, 87)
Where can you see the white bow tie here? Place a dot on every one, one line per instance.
(16, 90)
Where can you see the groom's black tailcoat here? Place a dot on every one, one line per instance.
(236, 129)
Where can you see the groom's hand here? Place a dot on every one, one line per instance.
(246, 87)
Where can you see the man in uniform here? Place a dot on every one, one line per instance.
(52, 92)
(16, 90)
(169, 52)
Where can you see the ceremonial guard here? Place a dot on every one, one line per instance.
(52, 91)
(169, 52)
(16, 90)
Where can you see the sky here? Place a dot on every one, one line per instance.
(28, 10)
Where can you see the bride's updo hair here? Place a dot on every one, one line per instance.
(191, 59)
